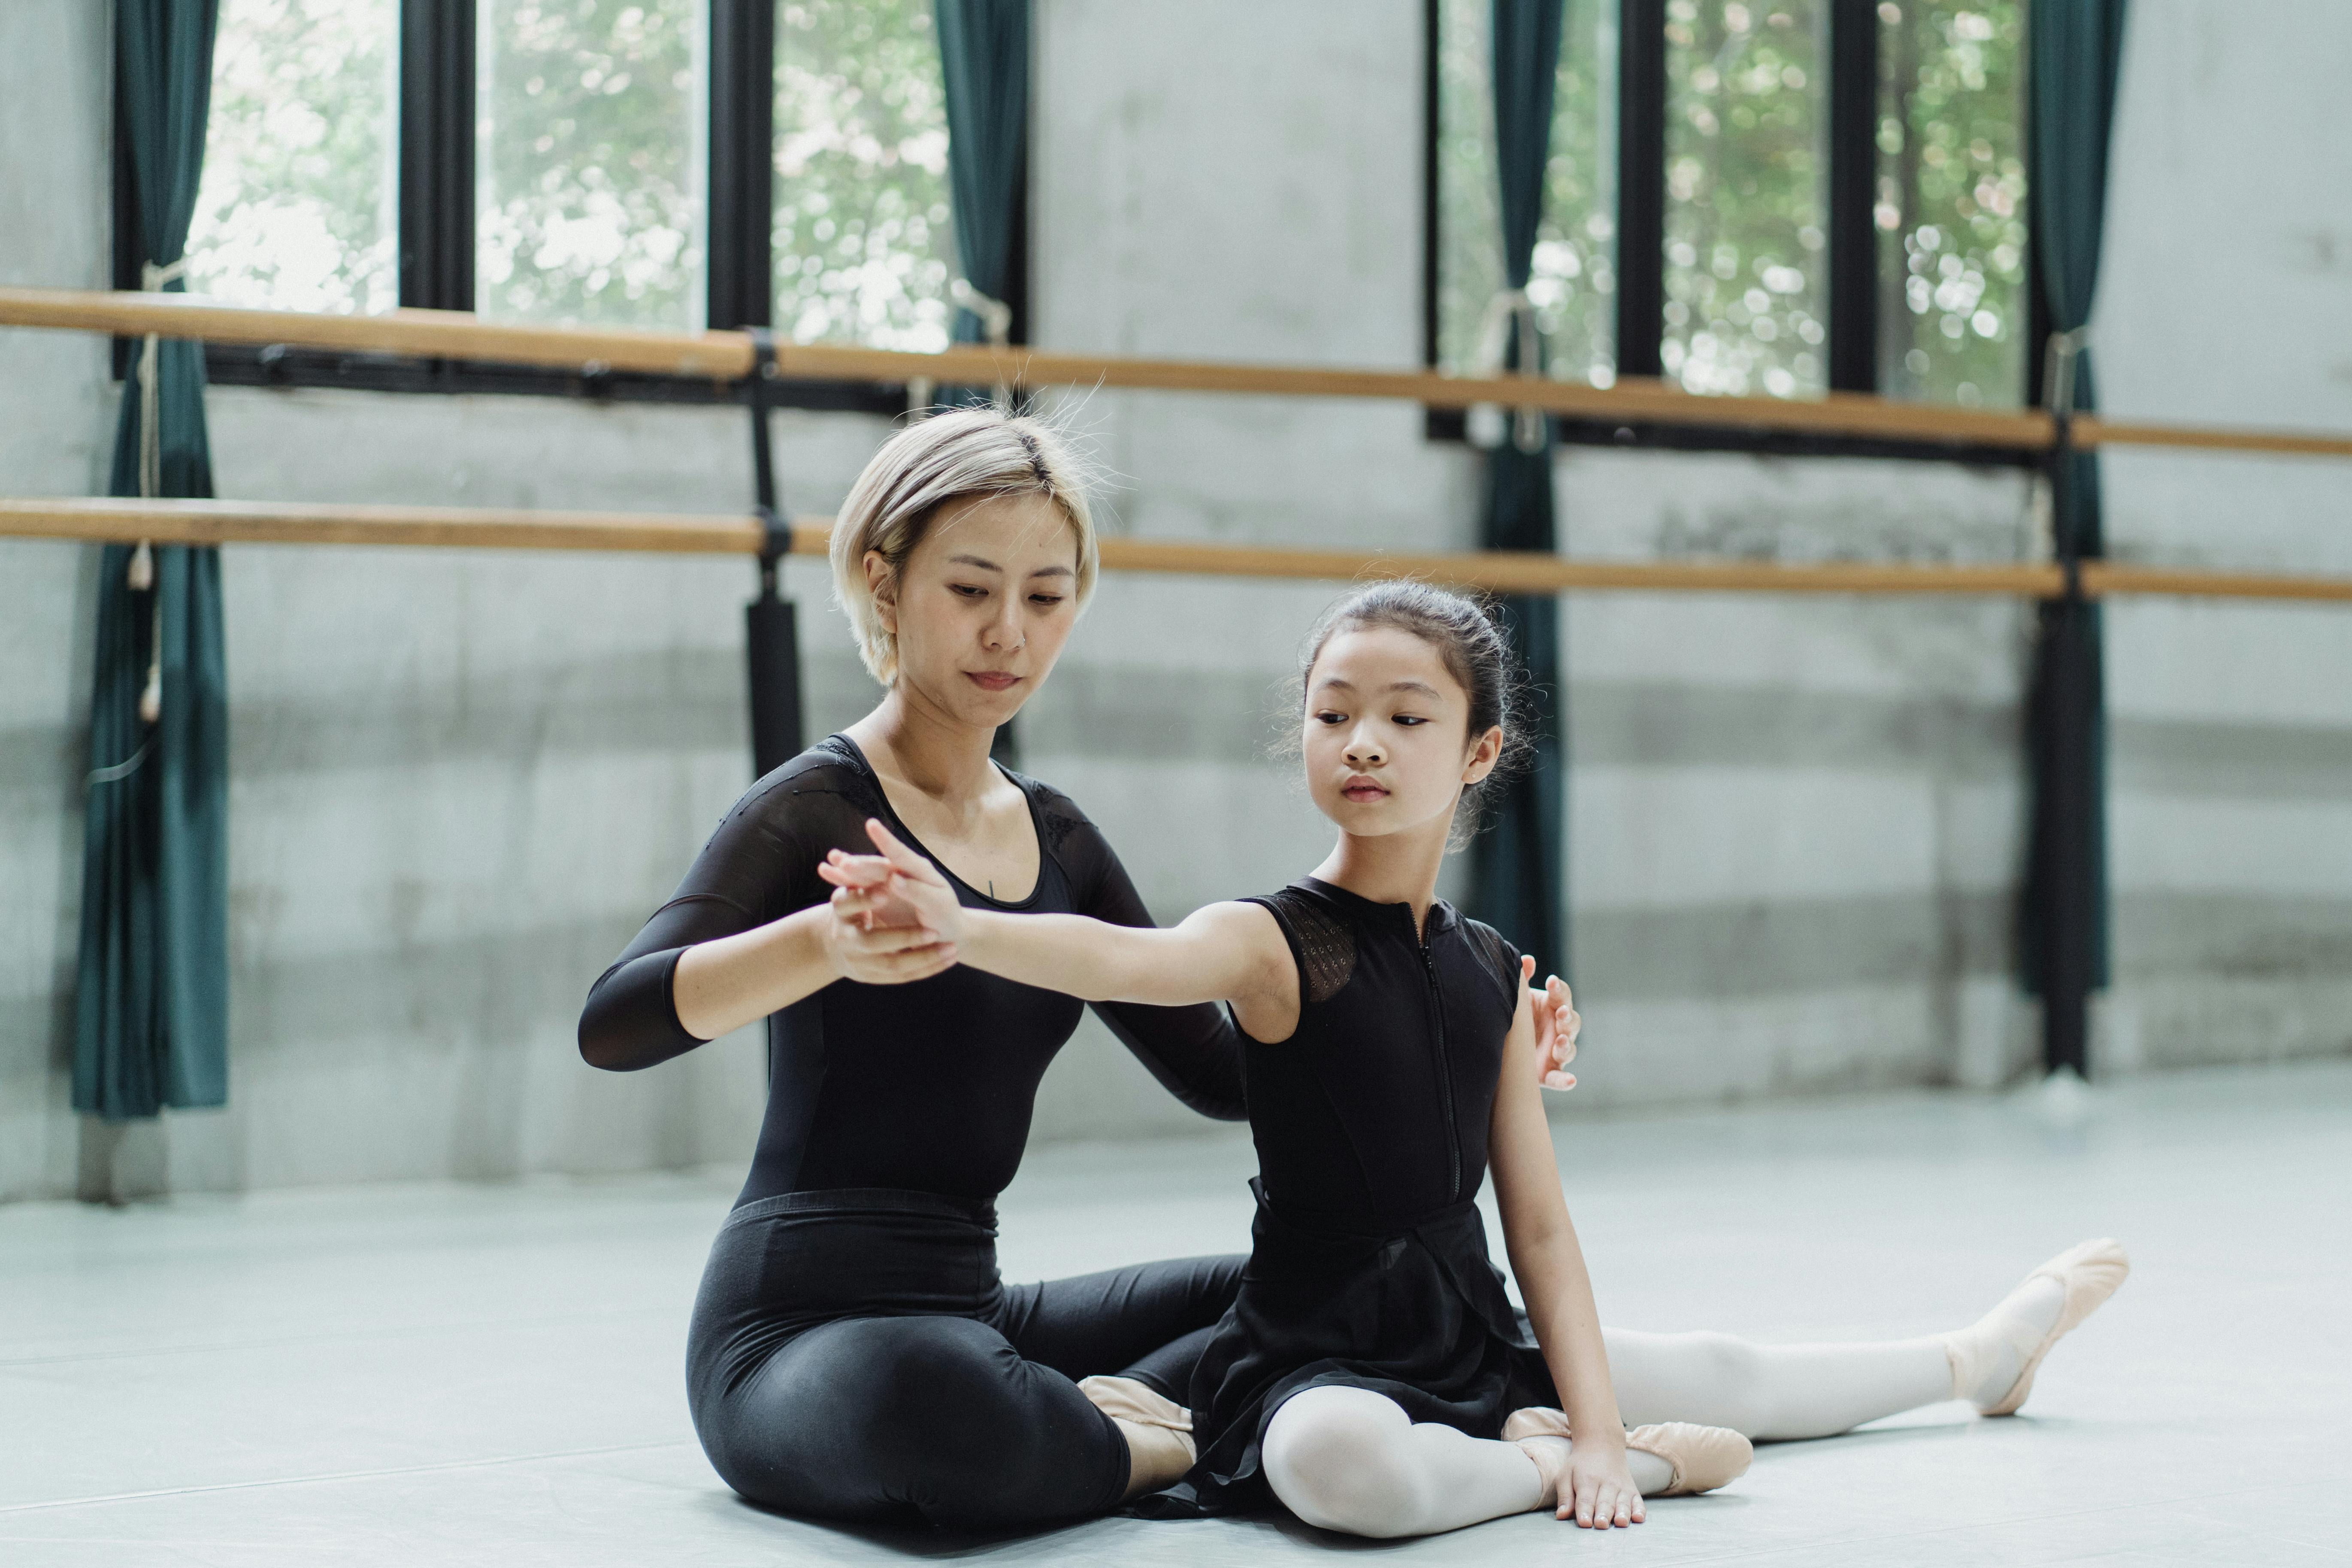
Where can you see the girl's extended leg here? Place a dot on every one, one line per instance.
(1780, 1392)
(1352, 1460)
(1769, 1392)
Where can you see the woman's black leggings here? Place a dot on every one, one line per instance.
(854, 1355)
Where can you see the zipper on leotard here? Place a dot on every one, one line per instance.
(1445, 1064)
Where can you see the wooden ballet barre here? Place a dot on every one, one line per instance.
(728, 356)
(117, 520)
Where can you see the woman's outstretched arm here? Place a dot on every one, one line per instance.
(1549, 1266)
(748, 933)
(1224, 953)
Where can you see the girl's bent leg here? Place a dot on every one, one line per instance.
(870, 1418)
(1351, 1461)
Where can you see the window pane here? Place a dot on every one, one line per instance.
(1746, 284)
(1572, 281)
(296, 209)
(589, 161)
(1951, 202)
(863, 245)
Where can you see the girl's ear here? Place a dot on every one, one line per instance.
(1484, 752)
(883, 583)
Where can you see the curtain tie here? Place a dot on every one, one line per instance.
(142, 573)
(995, 315)
(2058, 368)
(995, 325)
(1510, 312)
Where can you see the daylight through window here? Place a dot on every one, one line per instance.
(589, 161)
(862, 242)
(297, 209)
(1573, 282)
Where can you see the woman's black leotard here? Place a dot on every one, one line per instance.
(1369, 1264)
(852, 1354)
(926, 1087)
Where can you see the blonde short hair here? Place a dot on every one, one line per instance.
(947, 457)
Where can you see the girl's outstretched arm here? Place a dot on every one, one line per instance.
(1541, 1239)
(1225, 952)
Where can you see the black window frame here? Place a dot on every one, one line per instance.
(1850, 284)
(436, 242)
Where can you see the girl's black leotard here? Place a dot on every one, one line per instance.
(852, 1354)
(1368, 1266)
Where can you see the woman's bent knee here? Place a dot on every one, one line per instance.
(854, 1420)
(1338, 1458)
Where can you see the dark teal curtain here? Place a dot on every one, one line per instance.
(984, 55)
(2075, 52)
(150, 1023)
(1519, 865)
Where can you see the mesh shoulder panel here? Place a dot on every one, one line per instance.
(1498, 955)
(1325, 943)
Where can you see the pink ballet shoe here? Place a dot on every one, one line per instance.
(2088, 1274)
(1698, 1458)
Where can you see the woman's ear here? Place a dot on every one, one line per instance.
(883, 583)
(1484, 752)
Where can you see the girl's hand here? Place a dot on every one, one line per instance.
(1557, 1025)
(1598, 1489)
(895, 887)
(861, 946)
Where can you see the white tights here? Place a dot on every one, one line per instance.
(1773, 1391)
(1349, 1460)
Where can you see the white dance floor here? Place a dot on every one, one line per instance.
(443, 1375)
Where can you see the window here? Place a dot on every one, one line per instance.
(589, 161)
(653, 163)
(295, 210)
(1737, 114)
(1951, 202)
(1745, 227)
(862, 243)
(1572, 278)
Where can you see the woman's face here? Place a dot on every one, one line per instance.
(983, 605)
(1386, 726)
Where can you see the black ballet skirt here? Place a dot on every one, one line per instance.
(1368, 1266)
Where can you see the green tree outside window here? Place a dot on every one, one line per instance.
(298, 205)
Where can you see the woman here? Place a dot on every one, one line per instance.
(852, 1354)
(1372, 1375)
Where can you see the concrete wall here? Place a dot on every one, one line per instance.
(2226, 297)
(460, 781)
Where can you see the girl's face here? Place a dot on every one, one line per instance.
(1387, 741)
(983, 605)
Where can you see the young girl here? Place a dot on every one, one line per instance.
(1372, 1375)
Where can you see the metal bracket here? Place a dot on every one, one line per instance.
(775, 532)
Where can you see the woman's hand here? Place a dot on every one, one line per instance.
(1598, 1490)
(1557, 1025)
(895, 887)
(865, 941)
